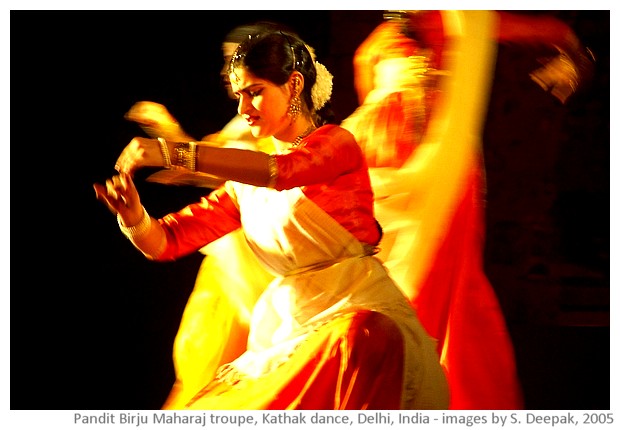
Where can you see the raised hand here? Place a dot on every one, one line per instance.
(140, 152)
(121, 197)
(156, 121)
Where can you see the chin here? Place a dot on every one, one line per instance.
(256, 132)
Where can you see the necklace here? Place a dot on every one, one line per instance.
(299, 138)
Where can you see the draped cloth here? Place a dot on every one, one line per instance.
(215, 322)
(332, 330)
(431, 207)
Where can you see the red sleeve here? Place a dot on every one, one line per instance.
(198, 224)
(326, 154)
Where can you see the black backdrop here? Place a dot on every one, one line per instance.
(92, 322)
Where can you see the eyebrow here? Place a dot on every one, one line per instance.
(248, 88)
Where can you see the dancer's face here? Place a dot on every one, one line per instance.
(263, 104)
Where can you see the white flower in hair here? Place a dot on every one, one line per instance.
(322, 88)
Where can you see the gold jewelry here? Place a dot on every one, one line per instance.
(273, 171)
(185, 155)
(301, 137)
(136, 231)
(294, 109)
(163, 146)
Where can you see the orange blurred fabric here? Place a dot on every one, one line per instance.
(346, 364)
(428, 176)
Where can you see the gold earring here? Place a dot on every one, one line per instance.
(294, 108)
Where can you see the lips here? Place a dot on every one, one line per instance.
(252, 120)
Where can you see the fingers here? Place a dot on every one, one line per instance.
(116, 191)
(127, 181)
(125, 163)
(140, 152)
(129, 190)
(100, 194)
(120, 196)
(122, 166)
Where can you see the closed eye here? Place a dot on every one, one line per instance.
(251, 91)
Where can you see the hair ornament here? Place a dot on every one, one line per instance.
(322, 88)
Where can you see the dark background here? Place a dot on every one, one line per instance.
(93, 322)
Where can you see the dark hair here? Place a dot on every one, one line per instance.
(274, 56)
(241, 32)
(403, 18)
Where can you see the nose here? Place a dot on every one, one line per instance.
(244, 106)
(224, 69)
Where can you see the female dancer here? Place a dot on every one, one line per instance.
(332, 330)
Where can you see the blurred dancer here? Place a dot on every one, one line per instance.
(423, 80)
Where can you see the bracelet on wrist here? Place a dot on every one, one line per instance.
(185, 155)
(163, 146)
(273, 171)
(136, 231)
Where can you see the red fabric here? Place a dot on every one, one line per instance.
(428, 29)
(361, 370)
(354, 362)
(199, 224)
(330, 167)
(458, 306)
(456, 303)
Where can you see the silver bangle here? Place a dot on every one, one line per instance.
(136, 231)
(163, 146)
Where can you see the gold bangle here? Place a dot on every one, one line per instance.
(136, 231)
(163, 146)
(193, 155)
(185, 155)
(273, 171)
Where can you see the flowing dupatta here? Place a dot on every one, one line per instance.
(435, 252)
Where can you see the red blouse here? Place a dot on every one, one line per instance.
(329, 167)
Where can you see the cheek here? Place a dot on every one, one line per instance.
(273, 107)
(261, 104)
